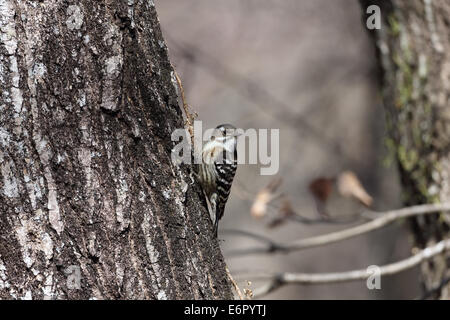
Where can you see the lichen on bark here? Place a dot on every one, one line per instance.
(413, 51)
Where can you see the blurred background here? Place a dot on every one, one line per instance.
(306, 68)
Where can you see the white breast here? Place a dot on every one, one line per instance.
(213, 149)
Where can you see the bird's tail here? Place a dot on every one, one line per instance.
(219, 214)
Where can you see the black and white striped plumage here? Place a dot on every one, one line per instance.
(217, 170)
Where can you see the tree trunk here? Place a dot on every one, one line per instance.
(414, 55)
(91, 206)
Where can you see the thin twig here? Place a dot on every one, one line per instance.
(271, 245)
(244, 194)
(377, 223)
(189, 117)
(235, 285)
(343, 220)
(279, 279)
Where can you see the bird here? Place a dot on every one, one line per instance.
(218, 168)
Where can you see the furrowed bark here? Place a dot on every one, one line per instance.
(88, 104)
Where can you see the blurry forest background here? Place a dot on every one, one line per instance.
(307, 68)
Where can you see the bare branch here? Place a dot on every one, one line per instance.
(377, 223)
(327, 220)
(279, 279)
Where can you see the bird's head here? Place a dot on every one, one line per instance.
(225, 132)
(225, 136)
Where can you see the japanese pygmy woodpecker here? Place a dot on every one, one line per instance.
(216, 172)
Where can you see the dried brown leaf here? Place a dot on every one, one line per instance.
(321, 188)
(349, 185)
(263, 198)
(284, 212)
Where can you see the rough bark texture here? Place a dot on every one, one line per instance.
(413, 47)
(87, 109)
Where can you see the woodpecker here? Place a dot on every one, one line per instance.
(217, 170)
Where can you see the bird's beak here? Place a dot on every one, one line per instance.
(237, 134)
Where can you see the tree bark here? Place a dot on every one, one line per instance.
(413, 49)
(87, 187)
